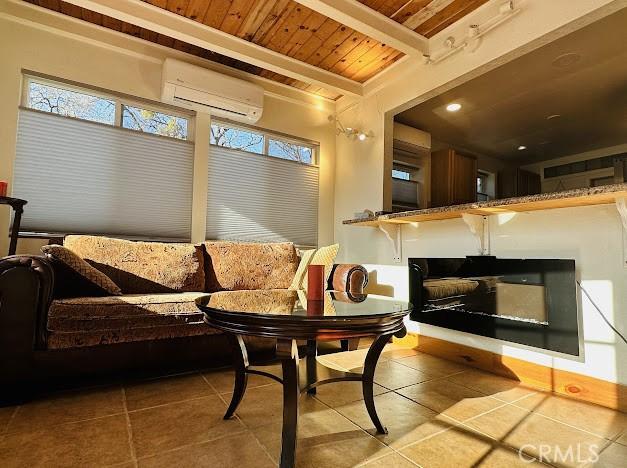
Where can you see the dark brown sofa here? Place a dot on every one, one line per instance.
(154, 325)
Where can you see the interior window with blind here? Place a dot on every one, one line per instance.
(81, 172)
(270, 196)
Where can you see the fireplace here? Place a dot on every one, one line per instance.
(531, 302)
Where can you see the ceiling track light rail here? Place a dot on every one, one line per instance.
(473, 36)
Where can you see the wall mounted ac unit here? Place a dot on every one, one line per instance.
(203, 90)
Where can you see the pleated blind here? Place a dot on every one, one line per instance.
(252, 197)
(82, 177)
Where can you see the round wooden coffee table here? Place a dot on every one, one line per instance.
(287, 316)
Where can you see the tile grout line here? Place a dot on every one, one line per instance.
(394, 450)
(263, 447)
(201, 442)
(357, 425)
(96, 418)
(129, 427)
(513, 404)
(580, 429)
(454, 421)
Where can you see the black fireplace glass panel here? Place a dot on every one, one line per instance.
(526, 301)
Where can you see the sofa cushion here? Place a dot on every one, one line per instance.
(143, 267)
(74, 277)
(65, 340)
(91, 321)
(251, 266)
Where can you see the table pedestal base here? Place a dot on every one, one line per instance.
(303, 377)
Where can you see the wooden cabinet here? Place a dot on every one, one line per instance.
(517, 183)
(453, 178)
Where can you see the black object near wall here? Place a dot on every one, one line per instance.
(531, 302)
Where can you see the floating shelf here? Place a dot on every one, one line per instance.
(604, 195)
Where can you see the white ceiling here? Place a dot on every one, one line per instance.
(509, 106)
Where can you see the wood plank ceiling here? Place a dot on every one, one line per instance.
(293, 30)
(426, 17)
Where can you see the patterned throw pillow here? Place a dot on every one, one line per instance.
(322, 256)
(74, 277)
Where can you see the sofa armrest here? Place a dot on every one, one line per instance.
(26, 285)
(348, 277)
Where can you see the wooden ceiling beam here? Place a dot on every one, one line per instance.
(371, 23)
(184, 29)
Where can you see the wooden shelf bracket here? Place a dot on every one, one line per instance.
(393, 234)
(479, 226)
(621, 206)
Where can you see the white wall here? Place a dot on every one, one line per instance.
(590, 235)
(36, 40)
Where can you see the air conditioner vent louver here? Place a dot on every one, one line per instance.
(219, 109)
(207, 91)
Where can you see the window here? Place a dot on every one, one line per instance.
(237, 138)
(150, 121)
(80, 176)
(482, 183)
(252, 197)
(70, 103)
(402, 175)
(61, 99)
(486, 186)
(286, 150)
(261, 142)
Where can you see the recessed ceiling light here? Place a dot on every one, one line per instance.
(553, 116)
(522, 147)
(453, 107)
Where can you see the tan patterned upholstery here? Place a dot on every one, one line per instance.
(62, 340)
(238, 266)
(80, 266)
(91, 321)
(143, 267)
(448, 287)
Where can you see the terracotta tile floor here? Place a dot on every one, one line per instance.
(438, 413)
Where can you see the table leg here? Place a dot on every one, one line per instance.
(287, 351)
(312, 351)
(240, 358)
(368, 379)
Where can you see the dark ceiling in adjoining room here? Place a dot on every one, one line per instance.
(564, 98)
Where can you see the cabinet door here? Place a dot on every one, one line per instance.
(464, 179)
(441, 178)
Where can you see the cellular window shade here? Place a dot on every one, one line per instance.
(253, 197)
(82, 177)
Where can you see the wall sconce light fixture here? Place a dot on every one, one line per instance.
(350, 132)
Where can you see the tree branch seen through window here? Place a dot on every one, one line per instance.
(255, 142)
(154, 122)
(71, 103)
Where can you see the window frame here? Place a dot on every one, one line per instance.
(119, 99)
(484, 176)
(267, 135)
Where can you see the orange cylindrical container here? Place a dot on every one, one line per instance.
(315, 282)
(3, 188)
